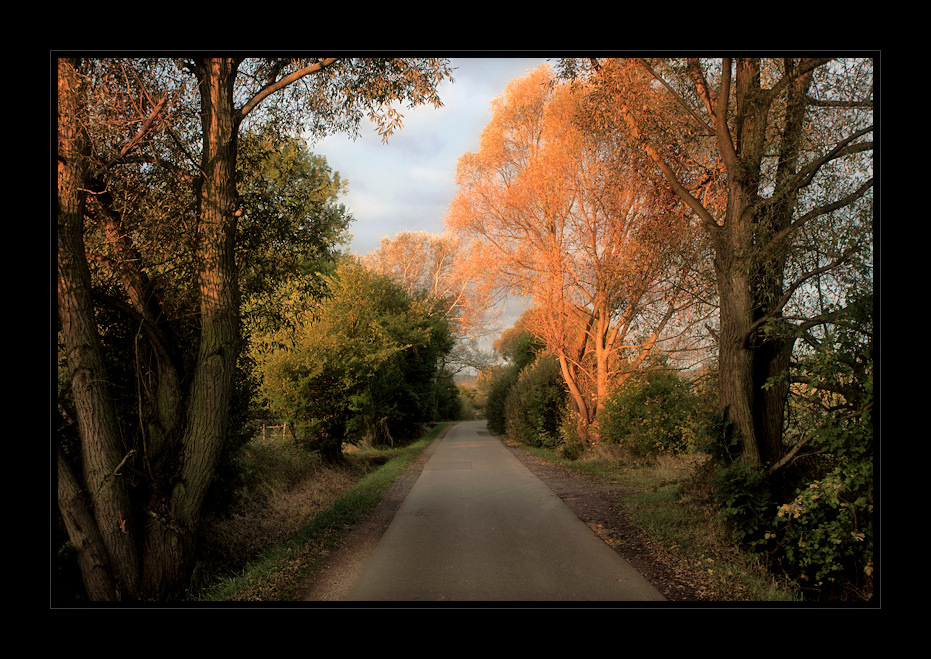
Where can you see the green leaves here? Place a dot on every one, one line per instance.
(536, 403)
(651, 414)
(291, 227)
(364, 362)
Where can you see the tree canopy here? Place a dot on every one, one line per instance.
(153, 222)
(774, 158)
(563, 213)
(362, 364)
(437, 267)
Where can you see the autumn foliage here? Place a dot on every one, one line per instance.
(564, 214)
(649, 206)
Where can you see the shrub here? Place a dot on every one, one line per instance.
(652, 413)
(825, 525)
(501, 382)
(535, 405)
(571, 446)
(745, 501)
(813, 516)
(826, 530)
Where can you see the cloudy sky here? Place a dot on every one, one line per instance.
(408, 184)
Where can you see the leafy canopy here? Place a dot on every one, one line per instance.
(362, 361)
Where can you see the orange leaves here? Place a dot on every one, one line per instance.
(562, 211)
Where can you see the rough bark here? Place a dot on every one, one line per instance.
(144, 536)
(157, 562)
(105, 487)
(173, 522)
(751, 263)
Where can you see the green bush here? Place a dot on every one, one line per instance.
(745, 500)
(826, 530)
(653, 413)
(536, 404)
(821, 533)
(571, 446)
(501, 382)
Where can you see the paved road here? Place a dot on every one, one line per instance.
(479, 526)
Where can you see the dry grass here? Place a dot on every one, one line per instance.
(670, 499)
(283, 490)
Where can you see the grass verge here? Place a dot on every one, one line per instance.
(278, 573)
(668, 499)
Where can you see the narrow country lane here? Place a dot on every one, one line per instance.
(478, 526)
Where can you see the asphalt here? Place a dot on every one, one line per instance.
(478, 526)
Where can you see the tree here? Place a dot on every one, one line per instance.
(497, 382)
(130, 499)
(437, 268)
(518, 344)
(773, 156)
(364, 363)
(562, 213)
(291, 227)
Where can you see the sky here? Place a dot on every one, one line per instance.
(408, 183)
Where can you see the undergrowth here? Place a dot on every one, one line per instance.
(669, 499)
(291, 507)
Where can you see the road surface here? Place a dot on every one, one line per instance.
(479, 526)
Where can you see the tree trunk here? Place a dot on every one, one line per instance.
(751, 262)
(105, 487)
(735, 361)
(583, 420)
(750, 400)
(78, 517)
(163, 392)
(118, 560)
(173, 525)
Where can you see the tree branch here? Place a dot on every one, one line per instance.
(843, 148)
(681, 101)
(277, 85)
(788, 457)
(790, 290)
(783, 236)
(141, 133)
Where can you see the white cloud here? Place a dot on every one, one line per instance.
(408, 183)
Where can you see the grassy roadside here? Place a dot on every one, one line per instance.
(665, 498)
(278, 572)
(668, 500)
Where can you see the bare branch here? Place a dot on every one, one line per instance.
(277, 85)
(777, 308)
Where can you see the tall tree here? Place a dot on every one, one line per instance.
(437, 268)
(292, 227)
(767, 153)
(131, 501)
(562, 214)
